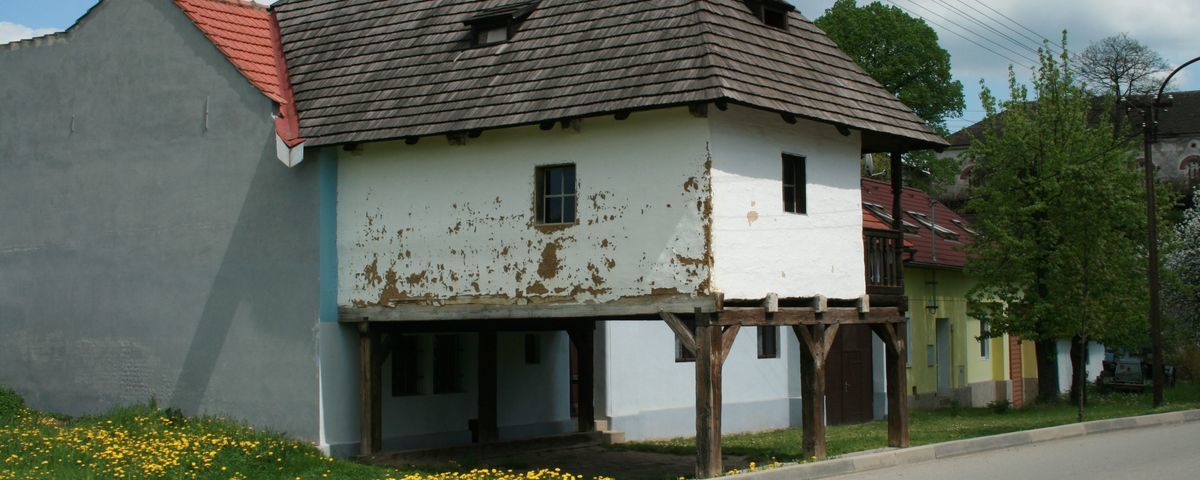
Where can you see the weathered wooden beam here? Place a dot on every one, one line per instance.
(643, 307)
(755, 316)
(864, 304)
(369, 392)
(771, 302)
(488, 423)
(728, 335)
(685, 336)
(698, 110)
(897, 385)
(815, 341)
(585, 347)
(820, 304)
(708, 384)
(456, 139)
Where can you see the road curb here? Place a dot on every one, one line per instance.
(855, 463)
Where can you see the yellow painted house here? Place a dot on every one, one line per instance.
(947, 361)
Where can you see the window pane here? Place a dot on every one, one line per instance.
(788, 172)
(553, 181)
(789, 199)
(554, 210)
(568, 215)
(568, 180)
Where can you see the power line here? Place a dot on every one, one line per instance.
(974, 32)
(964, 37)
(988, 27)
(1019, 24)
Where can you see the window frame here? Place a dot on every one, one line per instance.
(768, 347)
(448, 365)
(541, 196)
(795, 201)
(407, 372)
(533, 349)
(985, 342)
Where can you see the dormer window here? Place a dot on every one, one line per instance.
(497, 25)
(773, 13)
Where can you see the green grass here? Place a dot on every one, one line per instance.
(144, 442)
(933, 426)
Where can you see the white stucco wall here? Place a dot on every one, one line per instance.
(650, 395)
(455, 224)
(757, 247)
(1095, 363)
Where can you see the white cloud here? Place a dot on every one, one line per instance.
(11, 32)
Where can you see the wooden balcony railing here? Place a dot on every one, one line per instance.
(885, 274)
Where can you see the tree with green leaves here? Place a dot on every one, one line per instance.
(1181, 295)
(1061, 222)
(901, 53)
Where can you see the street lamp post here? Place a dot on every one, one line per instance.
(1150, 129)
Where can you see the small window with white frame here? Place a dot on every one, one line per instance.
(985, 342)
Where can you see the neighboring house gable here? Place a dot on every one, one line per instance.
(153, 248)
(948, 360)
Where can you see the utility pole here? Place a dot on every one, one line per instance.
(1150, 130)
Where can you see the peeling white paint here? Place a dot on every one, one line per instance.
(440, 224)
(757, 247)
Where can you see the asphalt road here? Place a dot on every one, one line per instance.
(1158, 453)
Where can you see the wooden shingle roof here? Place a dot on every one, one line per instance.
(369, 70)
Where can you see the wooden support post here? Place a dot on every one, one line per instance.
(897, 220)
(487, 423)
(708, 397)
(897, 383)
(583, 339)
(815, 341)
(369, 391)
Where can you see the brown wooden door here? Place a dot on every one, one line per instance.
(849, 389)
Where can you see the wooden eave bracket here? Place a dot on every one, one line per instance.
(685, 336)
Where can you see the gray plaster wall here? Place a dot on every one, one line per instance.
(143, 255)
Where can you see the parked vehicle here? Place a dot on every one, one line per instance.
(1130, 372)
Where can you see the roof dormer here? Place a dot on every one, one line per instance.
(498, 24)
(773, 13)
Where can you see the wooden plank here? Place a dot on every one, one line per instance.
(728, 335)
(827, 341)
(685, 336)
(754, 316)
(584, 340)
(487, 395)
(369, 392)
(708, 428)
(644, 307)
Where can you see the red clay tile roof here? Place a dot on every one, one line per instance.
(242, 32)
(924, 242)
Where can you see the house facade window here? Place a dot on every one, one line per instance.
(768, 341)
(406, 367)
(533, 349)
(447, 364)
(682, 354)
(985, 342)
(556, 194)
(795, 196)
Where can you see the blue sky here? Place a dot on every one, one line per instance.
(1168, 26)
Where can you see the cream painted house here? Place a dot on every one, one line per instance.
(553, 216)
